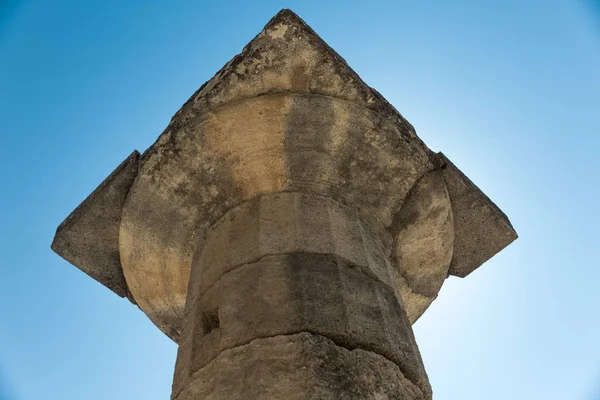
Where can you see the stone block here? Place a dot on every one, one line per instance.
(89, 237)
(481, 229)
(273, 143)
(299, 367)
(288, 294)
(291, 222)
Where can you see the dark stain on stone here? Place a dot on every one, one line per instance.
(307, 139)
(210, 320)
(300, 79)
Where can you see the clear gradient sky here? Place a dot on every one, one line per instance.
(509, 90)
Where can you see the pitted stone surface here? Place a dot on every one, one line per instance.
(299, 367)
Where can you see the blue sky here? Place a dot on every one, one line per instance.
(509, 90)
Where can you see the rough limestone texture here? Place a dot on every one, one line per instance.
(286, 229)
(293, 222)
(299, 367)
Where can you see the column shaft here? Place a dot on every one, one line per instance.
(293, 296)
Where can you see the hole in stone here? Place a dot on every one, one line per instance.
(210, 320)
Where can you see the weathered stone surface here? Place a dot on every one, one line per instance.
(304, 292)
(424, 242)
(287, 56)
(292, 222)
(299, 367)
(316, 227)
(272, 143)
(286, 114)
(290, 262)
(481, 229)
(303, 202)
(89, 237)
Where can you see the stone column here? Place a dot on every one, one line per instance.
(293, 296)
(286, 229)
